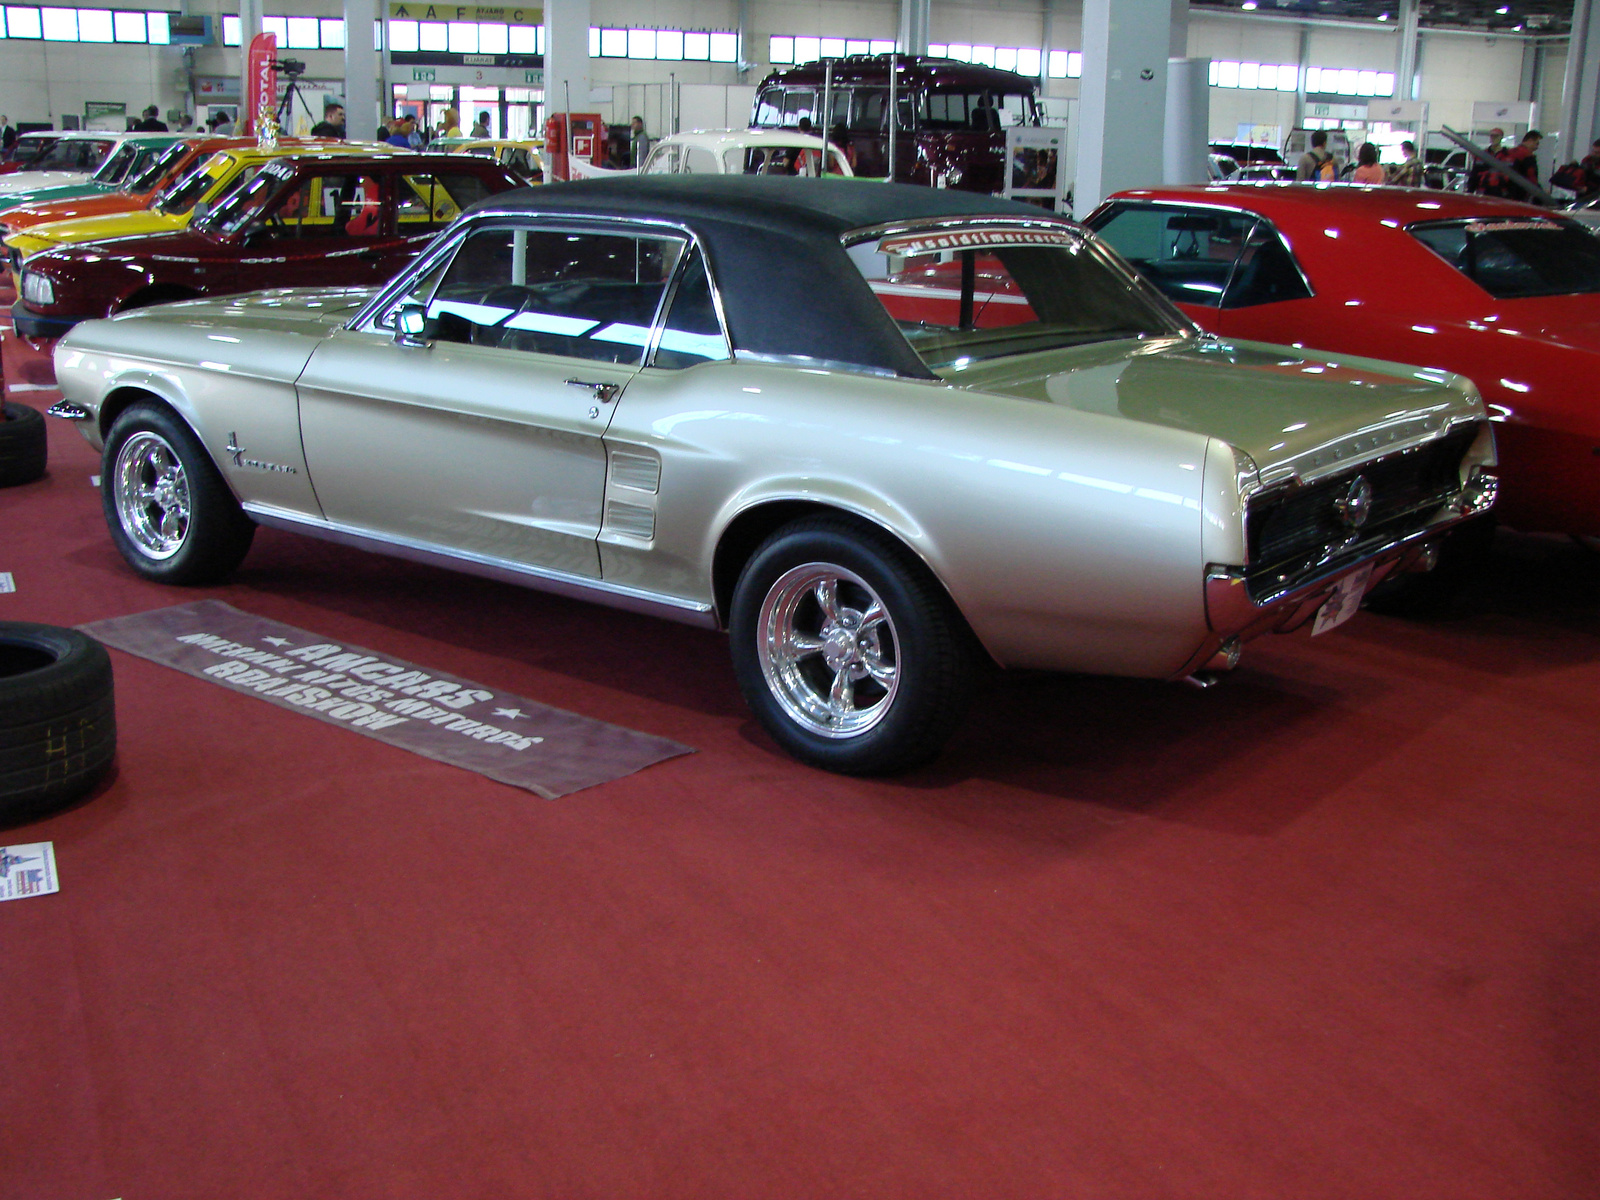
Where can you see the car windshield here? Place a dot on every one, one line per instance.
(976, 293)
(243, 201)
(153, 166)
(117, 165)
(71, 154)
(179, 196)
(1518, 257)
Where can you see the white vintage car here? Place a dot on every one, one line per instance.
(735, 152)
(879, 434)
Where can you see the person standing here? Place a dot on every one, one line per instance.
(1409, 172)
(1368, 169)
(1316, 164)
(451, 120)
(638, 142)
(150, 122)
(8, 134)
(1482, 179)
(1523, 161)
(480, 127)
(220, 123)
(332, 123)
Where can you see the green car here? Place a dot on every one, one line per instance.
(138, 156)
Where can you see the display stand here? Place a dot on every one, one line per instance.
(1034, 174)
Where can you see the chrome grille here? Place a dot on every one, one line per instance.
(1295, 529)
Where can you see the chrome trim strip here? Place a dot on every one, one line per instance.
(543, 579)
(818, 364)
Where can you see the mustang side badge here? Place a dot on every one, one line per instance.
(237, 452)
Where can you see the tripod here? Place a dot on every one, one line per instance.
(292, 71)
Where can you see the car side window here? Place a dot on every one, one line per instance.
(663, 160)
(429, 202)
(327, 206)
(1265, 271)
(545, 291)
(1205, 257)
(697, 160)
(691, 333)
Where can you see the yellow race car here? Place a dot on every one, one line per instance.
(207, 184)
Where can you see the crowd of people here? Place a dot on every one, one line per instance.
(1483, 178)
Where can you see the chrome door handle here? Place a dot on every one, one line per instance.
(603, 392)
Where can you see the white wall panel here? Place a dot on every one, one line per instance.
(1458, 70)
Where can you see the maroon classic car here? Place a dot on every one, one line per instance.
(1501, 292)
(306, 220)
(952, 115)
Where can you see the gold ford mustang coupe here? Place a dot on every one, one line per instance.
(879, 434)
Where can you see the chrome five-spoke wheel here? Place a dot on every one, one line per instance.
(828, 650)
(847, 647)
(152, 495)
(169, 510)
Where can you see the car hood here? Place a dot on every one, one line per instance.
(38, 211)
(263, 335)
(1293, 414)
(311, 312)
(95, 229)
(33, 181)
(168, 245)
(44, 194)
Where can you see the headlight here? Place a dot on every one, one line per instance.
(37, 288)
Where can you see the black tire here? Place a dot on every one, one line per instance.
(58, 721)
(169, 511)
(23, 448)
(908, 674)
(1420, 595)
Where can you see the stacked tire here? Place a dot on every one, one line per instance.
(58, 722)
(22, 444)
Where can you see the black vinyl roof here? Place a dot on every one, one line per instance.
(773, 245)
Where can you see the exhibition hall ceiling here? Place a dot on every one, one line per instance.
(1492, 16)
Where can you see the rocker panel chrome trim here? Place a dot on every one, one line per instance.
(577, 587)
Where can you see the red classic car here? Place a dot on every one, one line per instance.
(1501, 292)
(305, 220)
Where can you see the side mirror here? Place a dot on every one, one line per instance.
(411, 325)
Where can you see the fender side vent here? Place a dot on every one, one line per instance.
(633, 520)
(639, 471)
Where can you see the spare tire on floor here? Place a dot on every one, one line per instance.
(22, 444)
(58, 724)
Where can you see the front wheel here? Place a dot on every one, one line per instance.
(169, 511)
(847, 649)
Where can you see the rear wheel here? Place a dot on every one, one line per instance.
(847, 649)
(169, 511)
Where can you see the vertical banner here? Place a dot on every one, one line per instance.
(260, 82)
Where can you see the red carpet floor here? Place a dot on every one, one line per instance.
(1330, 930)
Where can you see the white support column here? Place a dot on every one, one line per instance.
(1405, 53)
(1125, 44)
(361, 109)
(1580, 90)
(566, 57)
(913, 37)
(249, 26)
(1188, 132)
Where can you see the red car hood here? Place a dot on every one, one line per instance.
(179, 244)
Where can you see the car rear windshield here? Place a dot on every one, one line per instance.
(970, 294)
(1532, 256)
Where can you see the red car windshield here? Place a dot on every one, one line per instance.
(153, 168)
(1517, 257)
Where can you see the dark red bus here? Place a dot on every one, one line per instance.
(952, 115)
